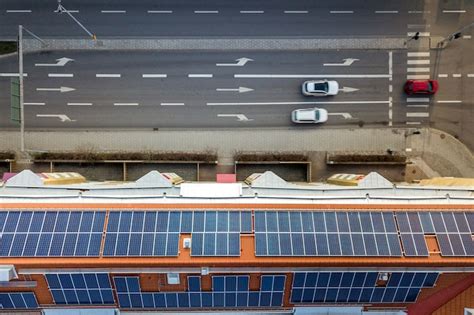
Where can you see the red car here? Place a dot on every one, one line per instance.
(421, 87)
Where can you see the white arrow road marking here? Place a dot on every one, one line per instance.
(344, 115)
(61, 89)
(299, 103)
(240, 62)
(63, 118)
(347, 89)
(60, 63)
(310, 76)
(241, 89)
(347, 62)
(240, 117)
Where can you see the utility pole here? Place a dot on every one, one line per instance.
(62, 9)
(20, 73)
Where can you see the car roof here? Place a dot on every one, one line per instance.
(420, 85)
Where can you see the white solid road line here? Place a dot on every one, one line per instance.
(418, 54)
(18, 11)
(443, 75)
(422, 34)
(418, 69)
(38, 104)
(12, 74)
(60, 75)
(252, 12)
(108, 75)
(418, 62)
(125, 104)
(456, 75)
(154, 75)
(79, 104)
(383, 12)
(198, 75)
(296, 12)
(341, 12)
(418, 99)
(449, 101)
(160, 11)
(418, 77)
(113, 11)
(420, 105)
(454, 11)
(305, 76)
(172, 104)
(418, 114)
(298, 103)
(206, 12)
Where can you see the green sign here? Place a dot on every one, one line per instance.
(15, 100)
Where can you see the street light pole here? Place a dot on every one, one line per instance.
(62, 9)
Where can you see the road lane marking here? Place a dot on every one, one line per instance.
(199, 75)
(299, 103)
(456, 75)
(419, 105)
(12, 74)
(36, 104)
(418, 12)
(341, 12)
(125, 104)
(418, 114)
(160, 11)
(443, 75)
(390, 111)
(413, 123)
(252, 12)
(418, 54)
(390, 65)
(466, 37)
(18, 11)
(207, 12)
(304, 76)
(470, 75)
(418, 99)
(108, 75)
(60, 75)
(418, 77)
(418, 69)
(448, 102)
(418, 25)
(296, 12)
(384, 12)
(422, 34)
(70, 11)
(79, 104)
(454, 11)
(157, 75)
(113, 11)
(390, 88)
(172, 104)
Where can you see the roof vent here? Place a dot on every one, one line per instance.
(383, 276)
(187, 242)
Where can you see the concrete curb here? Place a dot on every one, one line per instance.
(217, 44)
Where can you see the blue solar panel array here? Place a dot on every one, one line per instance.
(18, 300)
(156, 233)
(227, 292)
(51, 233)
(453, 231)
(359, 287)
(324, 233)
(80, 288)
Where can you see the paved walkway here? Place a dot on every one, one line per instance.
(442, 152)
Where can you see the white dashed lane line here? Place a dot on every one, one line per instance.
(79, 104)
(443, 75)
(423, 26)
(160, 11)
(172, 104)
(206, 12)
(113, 11)
(386, 12)
(456, 75)
(12, 74)
(413, 123)
(19, 11)
(108, 75)
(296, 12)
(60, 75)
(125, 104)
(418, 12)
(417, 99)
(470, 75)
(418, 69)
(341, 12)
(198, 75)
(252, 12)
(466, 37)
(34, 104)
(454, 11)
(447, 102)
(157, 75)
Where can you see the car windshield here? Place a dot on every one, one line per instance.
(430, 87)
(317, 115)
(324, 86)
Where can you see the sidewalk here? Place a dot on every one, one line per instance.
(442, 152)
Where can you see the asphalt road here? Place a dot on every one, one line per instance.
(147, 18)
(189, 89)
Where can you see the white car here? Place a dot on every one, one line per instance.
(320, 88)
(309, 116)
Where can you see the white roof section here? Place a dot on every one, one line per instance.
(211, 190)
(375, 180)
(153, 179)
(269, 180)
(25, 178)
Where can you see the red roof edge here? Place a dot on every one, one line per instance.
(429, 305)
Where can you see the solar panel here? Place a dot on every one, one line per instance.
(80, 288)
(51, 233)
(358, 287)
(18, 300)
(323, 233)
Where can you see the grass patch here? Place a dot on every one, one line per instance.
(7, 47)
